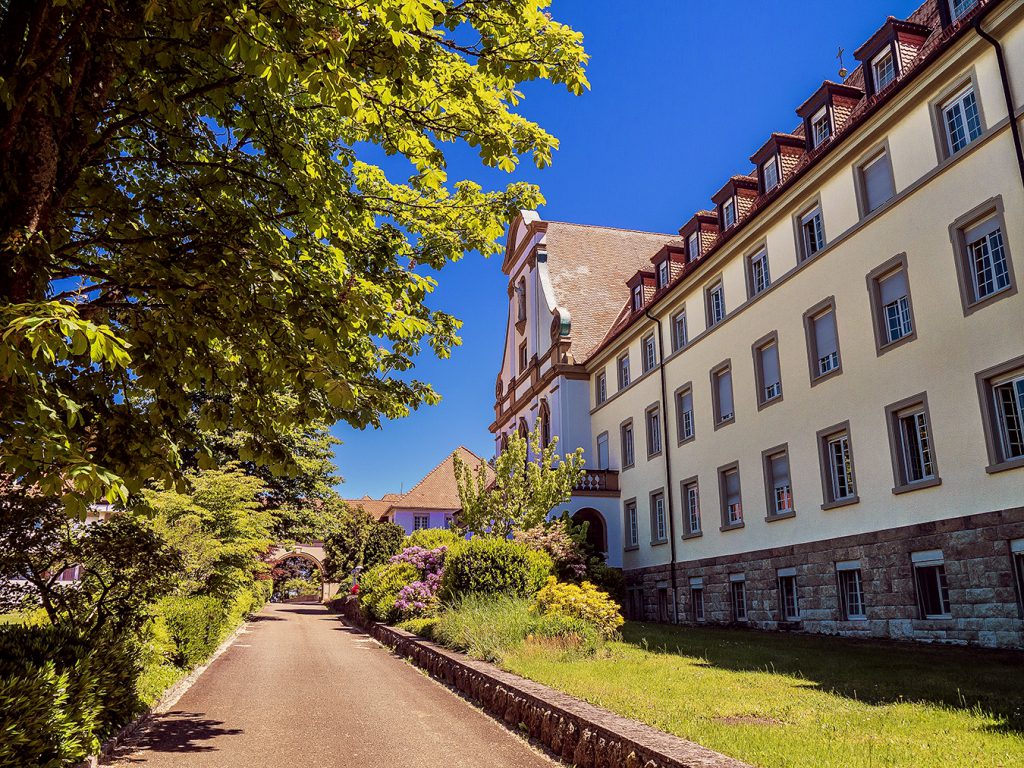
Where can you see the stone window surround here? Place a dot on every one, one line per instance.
(722, 367)
(683, 484)
(991, 208)
(755, 351)
(650, 500)
(828, 303)
(715, 282)
(769, 490)
(891, 411)
(680, 391)
(653, 408)
(825, 472)
(597, 442)
(622, 444)
(748, 275)
(809, 205)
(721, 472)
(935, 105)
(858, 167)
(626, 546)
(874, 278)
(988, 415)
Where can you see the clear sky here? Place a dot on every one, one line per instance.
(682, 93)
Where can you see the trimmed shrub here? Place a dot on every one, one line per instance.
(432, 538)
(382, 541)
(583, 602)
(195, 625)
(494, 566)
(379, 588)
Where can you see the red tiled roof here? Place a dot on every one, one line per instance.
(438, 489)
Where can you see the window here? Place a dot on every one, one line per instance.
(961, 120)
(770, 173)
(1002, 405)
(601, 387)
(679, 330)
(851, 590)
(691, 502)
(659, 529)
(663, 274)
(959, 8)
(684, 413)
(602, 451)
(758, 278)
(728, 213)
(821, 128)
(693, 246)
(638, 298)
(778, 489)
(983, 260)
(650, 358)
(890, 304)
(636, 603)
(910, 441)
(875, 184)
(623, 369)
(767, 377)
(930, 578)
(729, 490)
(883, 69)
(738, 593)
(721, 394)
(822, 341)
(812, 233)
(653, 419)
(626, 433)
(836, 454)
(632, 531)
(420, 522)
(1017, 555)
(714, 300)
(545, 424)
(697, 598)
(789, 597)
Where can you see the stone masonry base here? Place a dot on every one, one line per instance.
(984, 599)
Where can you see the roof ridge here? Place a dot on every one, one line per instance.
(438, 466)
(615, 229)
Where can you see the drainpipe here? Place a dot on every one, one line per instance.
(665, 442)
(1007, 90)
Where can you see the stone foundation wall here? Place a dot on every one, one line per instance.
(983, 595)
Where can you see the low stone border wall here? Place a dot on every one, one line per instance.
(580, 733)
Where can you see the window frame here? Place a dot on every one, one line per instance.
(958, 100)
(656, 494)
(685, 389)
(677, 343)
(725, 469)
(990, 209)
(664, 274)
(693, 237)
(755, 350)
(937, 109)
(601, 387)
(846, 567)
(607, 450)
(875, 154)
(759, 254)
(416, 520)
(886, 52)
(715, 286)
(782, 576)
(689, 532)
(1017, 565)
(927, 560)
(893, 415)
(819, 309)
(648, 344)
(738, 616)
(769, 485)
(803, 254)
(524, 357)
(821, 115)
(825, 466)
(874, 279)
(697, 608)
(630, 525)
(724, 366)
(622, 374)
(772, 162)
(987, 380)
(729, 205)
(627, 424)
(652, 416)
(638, 297)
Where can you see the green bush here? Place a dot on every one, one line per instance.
(61, 693)
(383, 540)
(422, 626)
(574, 633)
(379, 587)
(195, 625)
(583, 602)
(432, 538)
(495, 566)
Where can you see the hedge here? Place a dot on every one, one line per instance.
(195, 625)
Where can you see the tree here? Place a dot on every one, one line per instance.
(530, 481)
(191, 241)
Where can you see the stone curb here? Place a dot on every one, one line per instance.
(167, 700)
(580, 733)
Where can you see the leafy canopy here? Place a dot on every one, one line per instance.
(192, 241)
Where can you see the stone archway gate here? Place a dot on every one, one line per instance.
(312, 551)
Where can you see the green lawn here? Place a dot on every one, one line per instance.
(785, 701)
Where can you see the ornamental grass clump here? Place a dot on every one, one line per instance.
(584, 602)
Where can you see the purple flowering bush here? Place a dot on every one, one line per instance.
(419, 597)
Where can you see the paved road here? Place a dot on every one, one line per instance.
(302, 689)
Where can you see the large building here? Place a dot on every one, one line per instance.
(806, 409)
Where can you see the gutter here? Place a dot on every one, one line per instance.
(1004, 75)
(665, 442)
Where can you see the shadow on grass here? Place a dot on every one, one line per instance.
(870, 671)
(264, 617)
(177, 732)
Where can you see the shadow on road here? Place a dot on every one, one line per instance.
(174, 732)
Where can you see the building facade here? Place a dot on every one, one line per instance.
(812, 397)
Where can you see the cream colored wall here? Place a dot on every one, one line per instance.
(942, 361)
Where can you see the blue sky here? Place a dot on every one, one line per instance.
(682, 93)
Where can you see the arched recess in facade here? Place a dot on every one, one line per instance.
(299, 555)
(597, 530)
(545, 423)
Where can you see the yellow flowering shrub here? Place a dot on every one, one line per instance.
(584, 602)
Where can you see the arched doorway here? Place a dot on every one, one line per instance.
(597, 531)
(298, 576)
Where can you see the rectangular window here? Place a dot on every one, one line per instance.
(697, 599)
(650, 358)
(729, 490)
(758, 278)
(601, 387)
(523, 359)
(623, 368)
(911, 444)
(959, 8)
(961, 120)
(632, 530)
(767, 376)
(738, 593)
(728, 213)
(770, 173)
(986, 262)
(891, 308)
(812, 233)
(420, 522)
(821, 127)
(1017, 555)
(883, 69)
(693, 246)
(663, 274)
(876, 182)
(626, 432)
(930, 578)
(778, 488)
(714, 300)
(679, 330)
(836, 454)
(721, 394)
(653, 419)
(789, 596)
(691, 498)
(602, 451)
(851, 590)
(684, 414)
(822, 341)
(659, 528)
(1001, 390)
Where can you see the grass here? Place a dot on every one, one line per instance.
(796, 701)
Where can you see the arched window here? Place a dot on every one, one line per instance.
(524, 431)
(545, 424)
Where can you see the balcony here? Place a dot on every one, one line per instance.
(598, 482)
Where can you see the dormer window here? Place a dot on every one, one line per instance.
(663, 274)
(770, 173)
(638, 298)
(883, 69)
(693, 247)
(959, 8)
(821, 127)
(728, 213)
